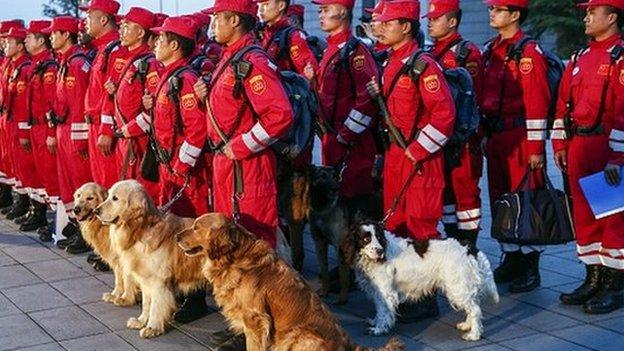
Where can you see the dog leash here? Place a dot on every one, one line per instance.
(417, 168)
(164, 209)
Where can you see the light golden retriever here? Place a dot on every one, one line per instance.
(86, 199)
(260, 295)
(145, 240)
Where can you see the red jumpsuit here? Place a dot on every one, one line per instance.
(8, 173)
(598, 241)
(18, 117)
(72, 133)
(267, 117)
(349, 110)
(42, 97)
(129, 112)
(429, 109)
(98, 116)
(462, 200)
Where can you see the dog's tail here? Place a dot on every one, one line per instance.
(394, 344)
(488, 277)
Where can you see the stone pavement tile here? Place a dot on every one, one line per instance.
(82, 290)
(615, 324)
(489, 347)
(45, 347)
(345, 317)
(172, 340)
(553, 279)
(359, 305)
(203, 328)
(592, 337)
(113, 317)
(36, 297)
(81, 262)
(20, 331)
(542, 342)
(438, 335)
(108, 342)
(5, 260)
(67, 323)
(30, 253)
(54, 270)
(530, 316)
(107, 278)
(7, 308)
(11, 276)
(358, 336)
(563, 266)
(9, 239)
(497, 329)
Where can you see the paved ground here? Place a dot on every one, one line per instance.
(51, 301)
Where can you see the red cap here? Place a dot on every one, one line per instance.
(247, 7)
(619, 4)
(408, 9)
(438, 8)
(203, 19)
(349, 4)
(143, 17)
(296, 9)
(160, 19)
(37, 27)
(5, 26)
(377, 10)
(183, 26)
(110, 7)
(82, 25)
(16, 33)
(63, 24)
(516, 3)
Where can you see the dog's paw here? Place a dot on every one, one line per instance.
(375, 331)
(370, 322)
(464, 326)
(108, 297)
(148, 333)
(123, 301)
(471, 336)
(135, 323)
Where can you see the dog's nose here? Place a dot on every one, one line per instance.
(77, 209)
(379, 252)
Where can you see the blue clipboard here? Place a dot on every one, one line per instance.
(604, 199)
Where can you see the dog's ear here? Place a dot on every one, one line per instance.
(348, 248)
(141, 205)
(221, 241)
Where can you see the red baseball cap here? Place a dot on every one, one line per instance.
(37, 26)
(5, 26)
(438, 8)
(160, 19)
(183, 26)
(63, 24)
(377, 10)
(296, 9)
(202, 18)
(516, 3)
(16, 33)
(110, 7)
(247, 7)
(349, 4)
(143, 17)
(615, 3)
(408, 9)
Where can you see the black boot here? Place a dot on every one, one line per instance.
(38, 218)
(101, 266)
(509, 269)
(20, 207)
(610, 297)
(70, 232)
(45, 232)
(587, 290)
(411, 312)
(235, 343)
(93, 258)
(468, 238)
(193, 308)
(529, 279)
(451, 230)
(28, 216)
(78, 246)
(6, 196)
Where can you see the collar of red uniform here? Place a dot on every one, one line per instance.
(18, 61)
(442, 43)
(339, 38)
(45, 54)
(281, 23)
(102, 41)
(607, 43)
(245, 40)
(172, 67)
(139, 50)
(380, 47)
(67, 54)
(405, 50)
(499, 41)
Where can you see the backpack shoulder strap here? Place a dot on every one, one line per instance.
(107, 51)
(242, 68)
(616, 53)
(283, 41)
(462, 52)
(517, 50)
(347, 50)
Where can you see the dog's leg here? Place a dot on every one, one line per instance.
(141, 322)
(321, 246)
(344, 273)
(472, 325)
(257, 330)
(118, 289)
(296, 243)
(129, 291)
(162, 307)
(386, 300)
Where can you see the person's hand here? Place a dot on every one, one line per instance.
(105, 144)
(25, 143)
(148, 101)
(110, 87)
(612, 174)
(536, 161)
(373, 87)
(84, 154)
(51, 144)
(201, 89)
(561, 160)
(409, 155)
(228, 152)
(308, 72)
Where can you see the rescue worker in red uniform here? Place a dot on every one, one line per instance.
(588, 137)
(246, 114)
(179, 127)
(423, 112)
(42, 95)
(462, 201)
(71, 130)
(101, 26)
(140, 74)
(515, 106)
(347, 110)
(376, 29)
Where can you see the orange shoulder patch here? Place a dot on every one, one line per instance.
(472, 68)
(404, 82)
(70, 82)
(152, 79)
(295, 52)
(526, 65)
(432, 83)
(119, 65)
(358, 62)
(258, 84)
(603, 70)
(21, 87)
(189, 102)
(48, 78)
(621, 79)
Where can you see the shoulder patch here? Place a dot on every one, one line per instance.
(188, 101)
(621, 79)
(404, 82)
(21, 86)
(432, 83)
(70, 82)
(358, 62)
(472, 68)
(119, 65)
(258, 84)
(152, 79)
(48, 78)
(295, 53)
(526, 65)
(603, 70)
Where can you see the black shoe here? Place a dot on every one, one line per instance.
(587, 290)
(6, 196)
(193, 308)
(411, 312)
(468, 238)
(529, 279)
(93, 258)
(220, 337)
(20, 207)
(610, 296)
(45, 232)
(79, 246)
(37, 220)
(64, 243)
(451, 230)
(101, 266)
(71, 230)
(235, 343)
(25, 218)
(509, 269)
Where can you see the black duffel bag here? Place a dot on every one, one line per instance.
(533, 217)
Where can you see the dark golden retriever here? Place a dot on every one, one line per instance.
(260, 295)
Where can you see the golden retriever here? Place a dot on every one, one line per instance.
(260, 295)
(145, 240)
(86, 199)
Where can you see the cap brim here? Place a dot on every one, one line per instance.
(433, 14)
(47, 30)
(387, 18)
(84, 8)
(585, 5)
(157, 30)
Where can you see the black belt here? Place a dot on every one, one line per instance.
(588, 131)
(498, 125)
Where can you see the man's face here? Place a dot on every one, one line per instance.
(224, 27)
(598, 20)
(439, 27)
(393, 32)
(13, 47)
(95, 22)
(269, 11)
(131, 33)
(500, 17)
(32, 43)
(164, 48)
(331, 17)
(376, 27)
